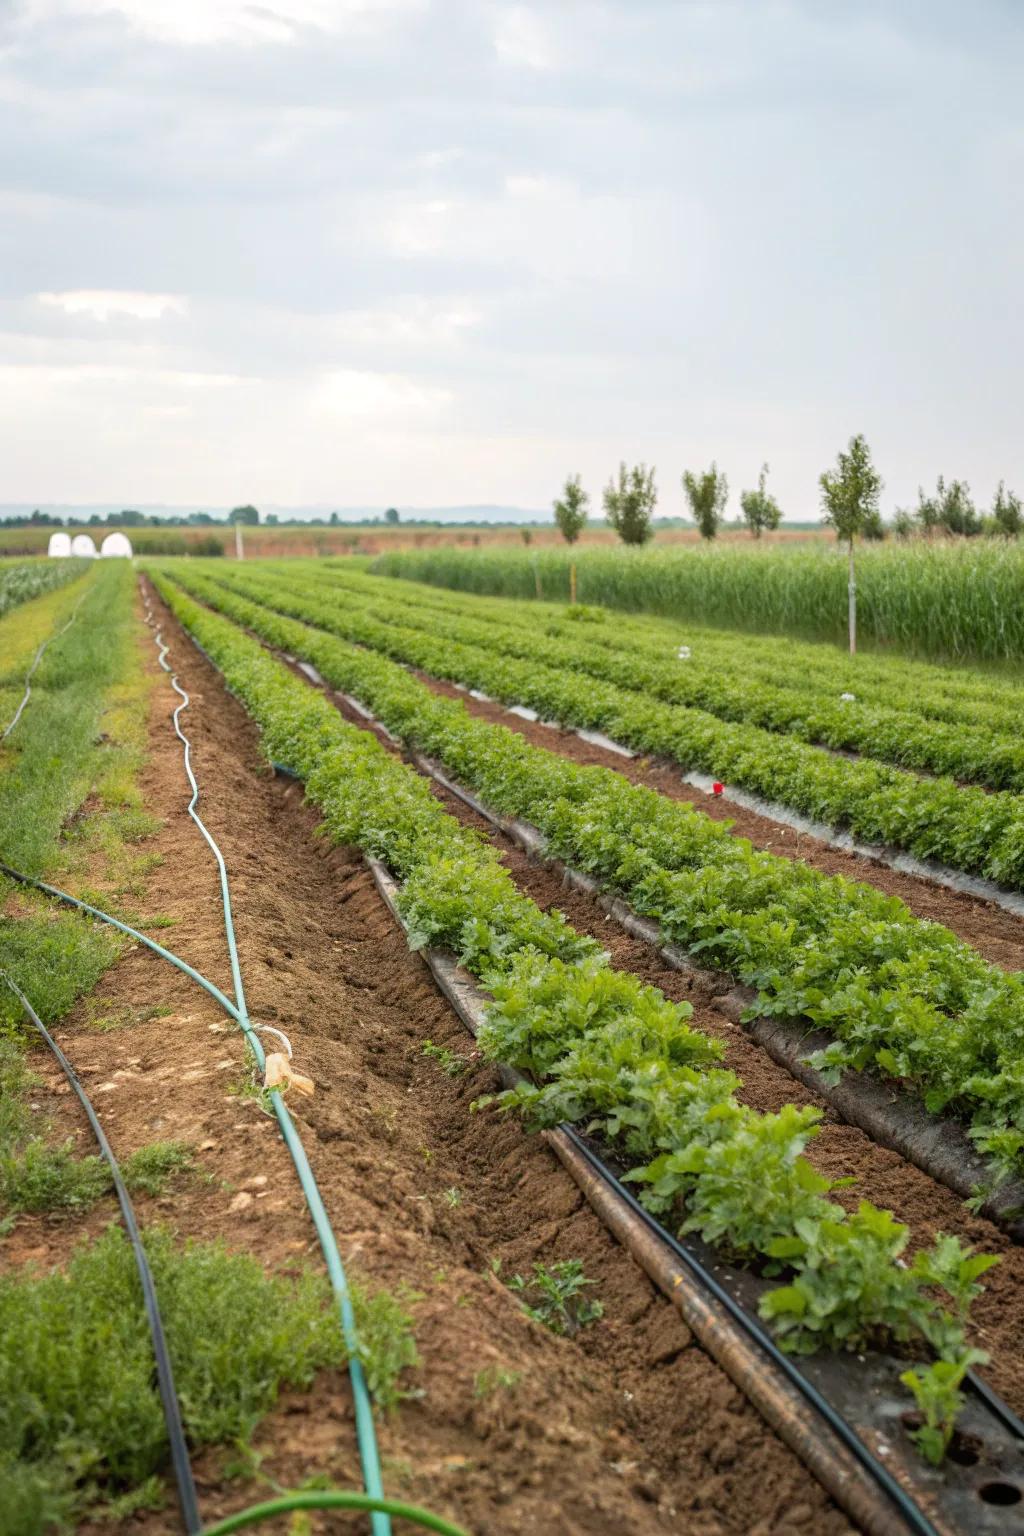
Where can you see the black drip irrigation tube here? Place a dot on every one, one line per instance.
(187, 1497)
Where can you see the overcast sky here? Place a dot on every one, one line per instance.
(447, 251)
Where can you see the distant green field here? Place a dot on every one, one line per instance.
(962, 600)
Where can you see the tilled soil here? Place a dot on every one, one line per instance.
(990, 929)
(629, 1429)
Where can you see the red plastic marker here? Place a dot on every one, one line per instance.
(716, 788)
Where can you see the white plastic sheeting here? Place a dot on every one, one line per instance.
(116, 544)
(59, 545)
(83, 545)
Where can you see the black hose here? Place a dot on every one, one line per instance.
(915, 1518)
(165, 1374)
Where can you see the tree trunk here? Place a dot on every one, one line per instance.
(853, 605)
(239, 546)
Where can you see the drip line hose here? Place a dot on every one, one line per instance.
(50, 639)
(365, 1431)
(164, 1371)
(914, 1517)
(333, 1500)
(379, 1507)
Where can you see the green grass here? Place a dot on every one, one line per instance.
(38, 1175)
(962, 599)
(69, 804)
(80, 1416)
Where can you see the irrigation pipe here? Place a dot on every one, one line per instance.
(647, 1241)
(164, 1371)
(35, 663)
(366, 1434)
(375, 1503)
(256, 1513)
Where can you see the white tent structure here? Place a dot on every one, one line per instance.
(60, 545)
(82, 544)
(116, 544)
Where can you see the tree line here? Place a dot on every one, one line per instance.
(850, 494)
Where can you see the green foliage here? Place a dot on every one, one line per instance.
(150, 1170)
(707, 494)
(939, 1400)
(40, 1177)
(950, 510)
(495, 1378)
(79, 1408)
(1007, 512)
(962, 599)
(850, 492)
(450, 1062)
(247, 515)
(629, 504)
(31, 578)
(558, 1297)
(760, 509)
(387, 1343)
(571, 510)
(901, 996)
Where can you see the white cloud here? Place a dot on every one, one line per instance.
(103, 303)
(521, 38)
(209, 22)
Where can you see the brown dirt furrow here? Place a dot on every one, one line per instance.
(631, 1429)
(992, 931)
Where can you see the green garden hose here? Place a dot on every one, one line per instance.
(330, 1499)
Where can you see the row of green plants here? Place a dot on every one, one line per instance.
(943, 600)
(900, 995)
(601, 1048)
(987, 698)
(932, 818)
(977, 753)
(27, 579)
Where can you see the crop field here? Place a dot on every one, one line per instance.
(943, 599)
(529, 1066)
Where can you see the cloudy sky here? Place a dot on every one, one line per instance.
(354, 252)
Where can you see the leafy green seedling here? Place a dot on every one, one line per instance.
(449, 1061)
(560, 1304)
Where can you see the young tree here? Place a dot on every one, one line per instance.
(956, 509)
(571, 510)
(392, 516)
(1007, 511)
(849, 496)
(760, 509)
(629, 506)
(707, 495)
